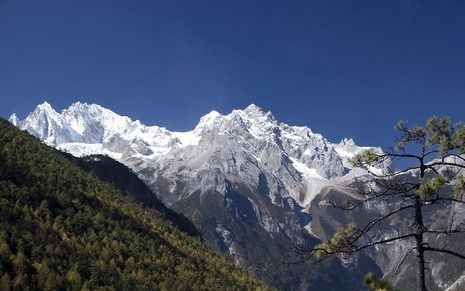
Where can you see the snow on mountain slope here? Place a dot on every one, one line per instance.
(82, 129)
(306, 158)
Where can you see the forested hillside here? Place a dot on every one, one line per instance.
(120, 176)
(62, 228)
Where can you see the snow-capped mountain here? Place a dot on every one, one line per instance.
(251, 185)
(246, 138)
(248, 182)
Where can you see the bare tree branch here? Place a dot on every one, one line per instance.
(433, 249)
(377, 220)
(384, 241)
(446, 164)
(403, 259)
(451, 231)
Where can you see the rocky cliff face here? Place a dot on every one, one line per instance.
(251, 185)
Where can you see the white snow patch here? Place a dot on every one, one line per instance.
(188, 138)
(256, 132)
(87, 149)
(307, 173)
(81, 149)
(313, 183)
(345, 153)
(78, 125)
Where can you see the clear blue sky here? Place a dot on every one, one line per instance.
(344, 68)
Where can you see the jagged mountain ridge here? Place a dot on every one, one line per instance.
(245, 180)
(84, 129)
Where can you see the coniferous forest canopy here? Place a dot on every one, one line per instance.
(63, 228)
(121, 177)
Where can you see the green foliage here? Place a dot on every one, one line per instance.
(375, 284)
(407, 135)
(337, 243)
(368, 157)
(430, 187)
(439, 132)
(62, 228)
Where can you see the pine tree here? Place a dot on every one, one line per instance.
(433, 178)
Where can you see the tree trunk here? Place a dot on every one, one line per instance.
(421, 279)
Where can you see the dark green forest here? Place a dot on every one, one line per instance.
(63, 228)
(120, 176)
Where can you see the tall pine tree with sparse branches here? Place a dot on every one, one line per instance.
(432, 176)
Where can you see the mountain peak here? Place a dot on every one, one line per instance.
(347, 142)
(83, 106)
(45, 106)
(256, 113)
(253, 108)
(44, 109)
(14, 119)
(78, 104)
(208, 119)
